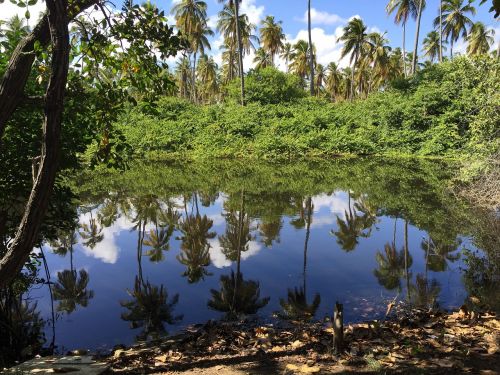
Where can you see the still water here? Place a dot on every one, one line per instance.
(165, 245)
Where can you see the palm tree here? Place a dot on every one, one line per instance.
(13, 31)
(299, 59)
(311, 49)
(286, 53)
(432, 45)
(319, 78)
(71, 290)
(158, 239)
(355, 39)
(150, 308)
(479, 39)
(237, 296)
(333, 80)
(378, 54)
(207, 73)
(195, 247)
(420, 9)
(199, 41)
(262, 59)
(404, 10)
(239, 34)
(183, 77)
(271, 37)
(396, 68)
(456, 22)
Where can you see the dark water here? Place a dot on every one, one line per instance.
(161, 246)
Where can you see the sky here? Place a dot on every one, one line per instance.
(328, 19)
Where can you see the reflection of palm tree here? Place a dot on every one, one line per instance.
(270, 231)
(237, 296)
(149, 309)
(439, 254)
(71, 290)
(158, 239)
(424, 294)
(296, 306)
(91, 233)
(195, 254)
(64, 245)
(353, 226)
(391, 267)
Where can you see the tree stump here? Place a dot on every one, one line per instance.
(338, 328)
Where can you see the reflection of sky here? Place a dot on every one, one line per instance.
(335, 274)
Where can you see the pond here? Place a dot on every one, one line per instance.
(165, 245)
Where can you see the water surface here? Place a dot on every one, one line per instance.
(165, 245)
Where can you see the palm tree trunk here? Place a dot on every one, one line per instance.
(306, 242)
(28, 230)
(417, 34)
(404, 49)
(352, 77)
(195, 99)
(441, 31)
(240, 50)
(451, 47)
(311, 50)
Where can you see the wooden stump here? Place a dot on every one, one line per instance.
(338, 328)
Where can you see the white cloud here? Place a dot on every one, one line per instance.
(322, 18)
(219, 260)
(9, 10)
(253, 11)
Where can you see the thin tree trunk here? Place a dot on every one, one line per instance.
(404, 50)
(311, 49)
(451, 48)
(240, 50)
(441, 31)
(417, 34)
(28, 230)
(352, 76)
(19, 68)
(407, 260)
(306, 242)
(195, 99)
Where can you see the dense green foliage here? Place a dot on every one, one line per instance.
(446, 110)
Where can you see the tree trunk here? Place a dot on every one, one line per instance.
(417, 34)
(240, 50)
(352, 76)
(407, 260)
(404, 50)
(195, 99)
(338, 328)
(451, 47)
(27, 233)
(311, 50)
(441, 31)
(19, 67)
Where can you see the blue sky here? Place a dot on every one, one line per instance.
(329, 16)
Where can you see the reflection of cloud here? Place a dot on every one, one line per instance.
(219, 260)
(322, 221)
(218, 219)
(107, 250)
(335, 203)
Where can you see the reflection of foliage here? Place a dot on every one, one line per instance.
(195, 255)
(482, 279)
(21, 329)
(91, 233)
(270, 231)
(391, 267)
(237, 296)
(158, 239)
(71, 290)
(149, 309)
(424, 293)
(63, 244)
(235, 240)
(296, 306)
(439, 254)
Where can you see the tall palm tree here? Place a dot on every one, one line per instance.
(183, 77)
(311, 50)
(300, 60)
(207, 73)
(149, 309)
(319, 78)
(286, 53)
(262, 59)
(71, 290)
(404, 10)
(235, 5)
(355, 38)
(440, 31)
(455, 20)
(432, 45)
(378, 54)
(271, 37)
(420, 9)
(480, 39)
(396, 68)
(199, 41)
(333, 80)
(189, 14)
